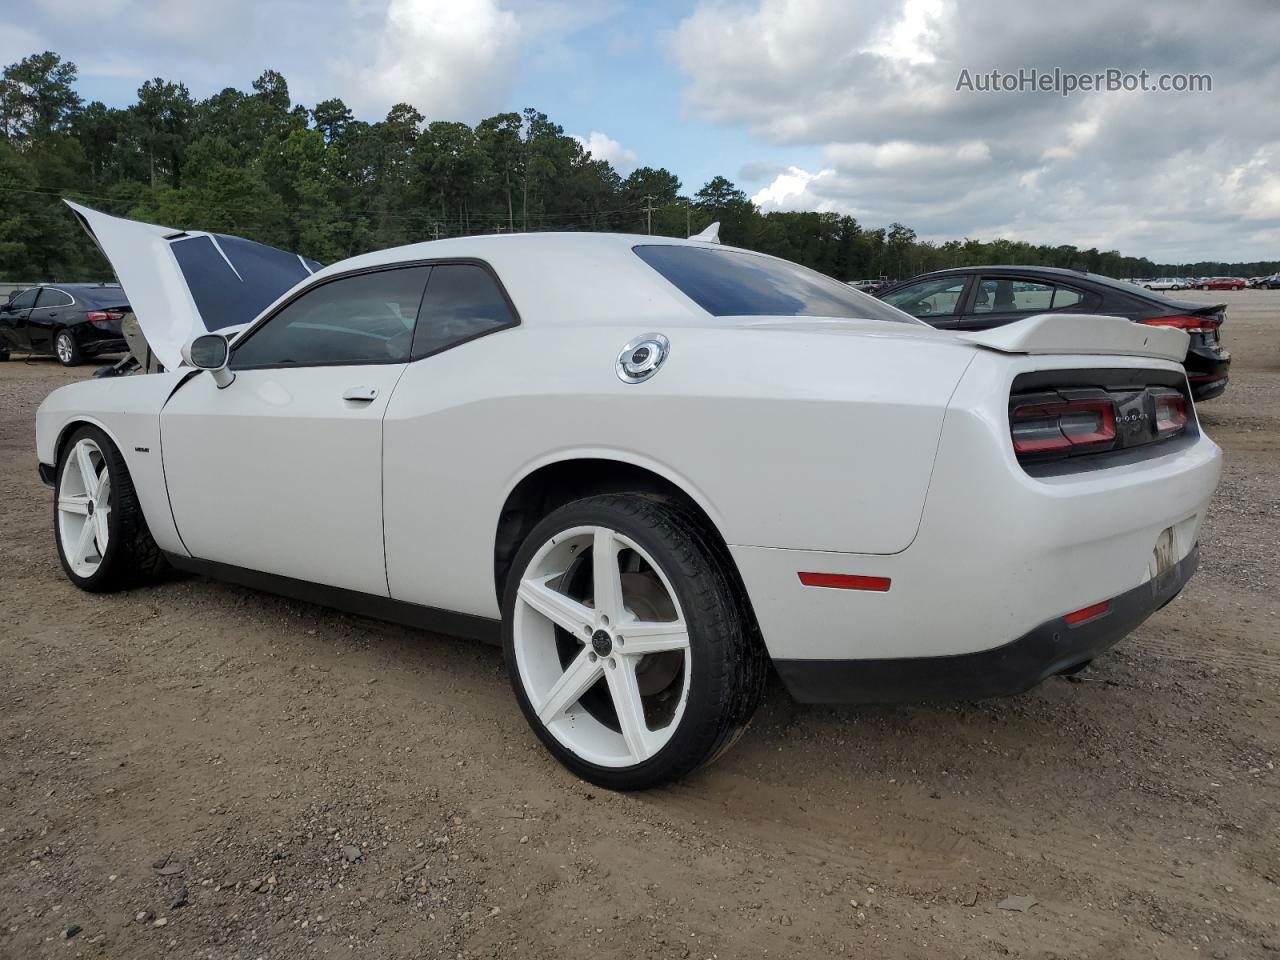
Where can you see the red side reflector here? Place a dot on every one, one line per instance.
(1087, 613)
(845, 581)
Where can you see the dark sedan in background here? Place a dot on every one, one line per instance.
(979, 298)
(70, 321)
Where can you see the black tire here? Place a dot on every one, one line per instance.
(64, 345)
(132, 558)
(727, 660)
(4, 354)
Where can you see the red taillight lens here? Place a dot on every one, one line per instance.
(101, 318)
(1171, 413)
(1040, 428)
(1187, 322)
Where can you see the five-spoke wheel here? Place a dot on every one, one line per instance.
(103, 539)
(628, 649)
(84, 507)
(601, 646)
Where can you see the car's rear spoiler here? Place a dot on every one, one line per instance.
(1083, 334)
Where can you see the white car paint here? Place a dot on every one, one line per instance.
(815, 444)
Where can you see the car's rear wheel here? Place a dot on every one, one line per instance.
(103, 540)
(67, 350)
(628, 648)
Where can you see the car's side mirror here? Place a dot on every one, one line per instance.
(210, 352)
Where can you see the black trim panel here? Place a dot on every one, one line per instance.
(1049, 649)
(350, 601)
(48, 475)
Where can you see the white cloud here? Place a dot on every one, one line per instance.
(873, 85)
(449, 59)
(17, 42)
(603, 147)
(790, 190)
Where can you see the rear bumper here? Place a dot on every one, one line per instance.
(1051, 648)
(105, 345)
(1207, 368)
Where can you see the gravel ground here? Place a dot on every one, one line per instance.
(197, 770)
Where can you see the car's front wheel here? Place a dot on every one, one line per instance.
(67, 350)
(628, 647)
(103, 540)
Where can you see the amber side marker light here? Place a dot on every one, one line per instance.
(1087, 613)
(845, 581)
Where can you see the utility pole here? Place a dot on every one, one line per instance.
(435, 228)
(648, 199)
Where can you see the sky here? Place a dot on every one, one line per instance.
(851, 106)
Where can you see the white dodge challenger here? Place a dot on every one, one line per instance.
(650, 468)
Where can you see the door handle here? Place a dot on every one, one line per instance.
(361, 394)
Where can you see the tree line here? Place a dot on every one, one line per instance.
(318, 181)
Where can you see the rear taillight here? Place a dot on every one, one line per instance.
(1186, 321)
(1171, 413)
(1066, 427)
(103, 318)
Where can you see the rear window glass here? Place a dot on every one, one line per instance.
(106, 294)
(731, 283)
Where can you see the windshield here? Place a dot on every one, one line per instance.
(734, 283)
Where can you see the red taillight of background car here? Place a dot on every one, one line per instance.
(103, 318)
(1066, 427)
(1188, 322)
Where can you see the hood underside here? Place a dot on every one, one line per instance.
(182, 283)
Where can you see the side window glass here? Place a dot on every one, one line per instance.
(367, 318)
(1009, 295)
(462, 302)
(56, 298)
(1065, 297)
(929, 298)
(27, 298)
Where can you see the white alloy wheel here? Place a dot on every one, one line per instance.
(65, 347)
(601, 646)
(84, 508)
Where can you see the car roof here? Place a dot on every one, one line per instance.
(1006, 269)
(606, 281)
(485, 246)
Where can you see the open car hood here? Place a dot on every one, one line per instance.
(182, 283)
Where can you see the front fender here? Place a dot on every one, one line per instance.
(127, 410)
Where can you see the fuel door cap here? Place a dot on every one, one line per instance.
(641, 358)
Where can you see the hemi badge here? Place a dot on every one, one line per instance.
(143, 449)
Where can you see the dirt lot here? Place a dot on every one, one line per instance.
(314, 784)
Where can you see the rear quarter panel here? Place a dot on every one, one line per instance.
(807, 440)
